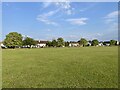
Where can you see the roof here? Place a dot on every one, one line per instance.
(41, 42)
(73, 42)
(106, 42)
(101, 42)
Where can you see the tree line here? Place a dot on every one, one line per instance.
(14, 39)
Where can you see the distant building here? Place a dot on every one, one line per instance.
(117, 42)
(89, 43)
(100, 44)
(106, 43)
(2, 45)
(73, 44)
(41, 43)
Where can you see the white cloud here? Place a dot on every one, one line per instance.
(86, 35)
(78, 21)
(111, 30)
(46, 4)
(45, 17)
(46, 21)
(90, 6)
(91, 36)
(111, 20)
(62, 6)
(113, 14)
(109, 35)
(65, 7)
(111, 17)
(50, 13)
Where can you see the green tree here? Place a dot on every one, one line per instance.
(83, 42)
(112, 42)
(29, 41)
(13, 39)
(60, 42)
(95, 42)
(54, 43)
(66, 44)
(49, 44)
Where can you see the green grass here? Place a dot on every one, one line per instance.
(89, 67)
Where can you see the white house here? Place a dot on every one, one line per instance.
(73, 44)
(2, 45)
(100, 44)
(106, 43)
(89, 43)
(117, 42)
(41, 43)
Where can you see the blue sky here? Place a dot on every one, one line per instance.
(70, 20)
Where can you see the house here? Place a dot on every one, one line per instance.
(41, 43)
(106, 43)
(2, 45)
(100, 44)
(73, 44)
(26, 46)
(89, 43)
(117, 42)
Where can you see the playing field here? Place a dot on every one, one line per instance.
(83, 67)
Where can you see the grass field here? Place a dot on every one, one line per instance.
(88, 67)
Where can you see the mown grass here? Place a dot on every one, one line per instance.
(88, 67)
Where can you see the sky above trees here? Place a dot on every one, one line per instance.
(70, 20)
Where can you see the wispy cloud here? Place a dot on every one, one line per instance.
(46, 21)
(78, 21)
(91, 36)
(88, 36)
(65, 7)
(111, 17)
(112, 14)
(46, 4)
(111, 20)
(45, 17)
(50, 13)
(62, 6)
(90, 6)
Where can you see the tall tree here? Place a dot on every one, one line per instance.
(49, 44)
(95, 42)
(60, 42)
(66, 44)
(83, 42)
(54, 43)
(13, 39)
(112, 42)
(29, 41)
